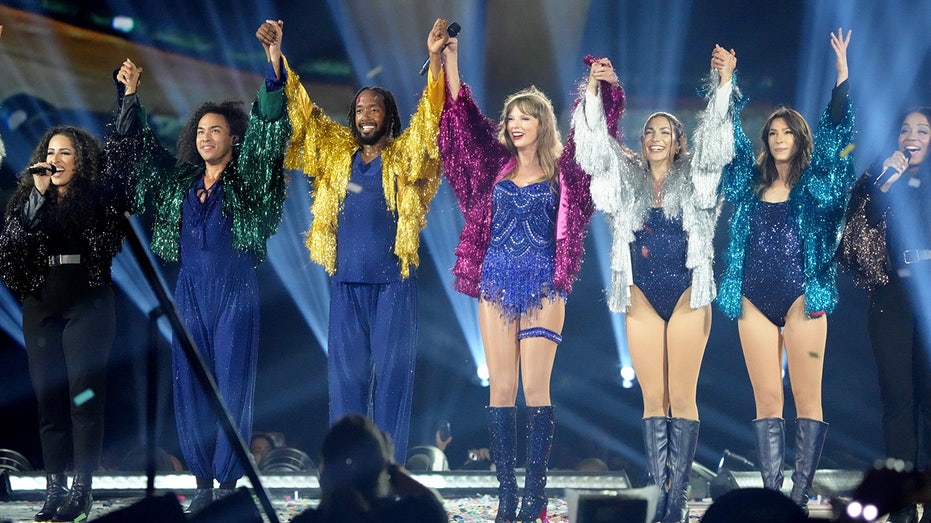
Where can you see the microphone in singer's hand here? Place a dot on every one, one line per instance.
(42, 170)
(452, 31)
(889, 171)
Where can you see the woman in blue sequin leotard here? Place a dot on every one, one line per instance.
(526, 204)
(779, 282)
(662, 206)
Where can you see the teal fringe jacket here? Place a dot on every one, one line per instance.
(254, 182)
(817, 203)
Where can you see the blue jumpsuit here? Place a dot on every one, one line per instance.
(217, 296)
(373, 313)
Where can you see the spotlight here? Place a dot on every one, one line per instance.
(627, 372)
(123, 24)
(482, 372)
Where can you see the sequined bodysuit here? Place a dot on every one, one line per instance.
(773, 275)
(658, 259)
(517, 271)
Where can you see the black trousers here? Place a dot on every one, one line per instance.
(69, 329)
(901, 341)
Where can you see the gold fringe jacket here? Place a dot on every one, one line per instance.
(323, 150)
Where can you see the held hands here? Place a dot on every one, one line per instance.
(725, 62)
(839, 42)
(129, 75)
(601, 70)
(899, 163)
(438, 37)
(271, 34)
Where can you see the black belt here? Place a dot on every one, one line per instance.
(64, 259)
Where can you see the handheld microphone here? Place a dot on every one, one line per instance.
(889, 171)
(42, 170)
(452, 31)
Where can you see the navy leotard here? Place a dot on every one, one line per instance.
(658, 258)
(773, 276)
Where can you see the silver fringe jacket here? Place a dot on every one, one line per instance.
(622, 188)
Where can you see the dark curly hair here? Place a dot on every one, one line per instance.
(79, 200)
(231, 110)
(392, 117)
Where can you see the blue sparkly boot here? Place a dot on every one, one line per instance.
(502, 432)
(541, 423)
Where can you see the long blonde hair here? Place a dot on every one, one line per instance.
(533, 102)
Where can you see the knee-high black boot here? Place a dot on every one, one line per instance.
(683, 441)
(656, 444)
(809, 441)
(771, 447)
(79, 505)
(502, 432)
(56, 495)
(541, 423)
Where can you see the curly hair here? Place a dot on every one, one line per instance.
(803, 142)
(236, 117)
(533, 102)
(79, 200)
(392, 117)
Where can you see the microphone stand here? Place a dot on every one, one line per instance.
(169, 310)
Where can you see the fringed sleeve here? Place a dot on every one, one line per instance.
(863, 244)
(827, 182)
(468, 143)
(713, 141)
(321, 149)
(153, 172)
(23, 252)
(575, 193)
(411, 173)
(258, 187)
(598, 152)
(472, 160)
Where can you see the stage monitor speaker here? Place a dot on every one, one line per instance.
(612, 506)
(157, 509)
(728, 480)
(700, 478)
(238, 507)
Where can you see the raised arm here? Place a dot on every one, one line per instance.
(713, 139)
(451, 66)
(596, 148)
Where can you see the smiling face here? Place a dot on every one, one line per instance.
(781, 141)
(214, 140)
(522, 128)
(659, 141)
(62, 155)
(370, 117)
(914, 137)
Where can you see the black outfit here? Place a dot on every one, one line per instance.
(887, 246)
(55, 255)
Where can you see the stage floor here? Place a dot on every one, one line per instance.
(461, 510)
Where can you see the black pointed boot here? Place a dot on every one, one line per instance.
(683, 441)
(56, 495)
(541, 423)
(809, 441)
(771, 448)
(906, 515)
(656, 444)
(502, 432)
(79, 504)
